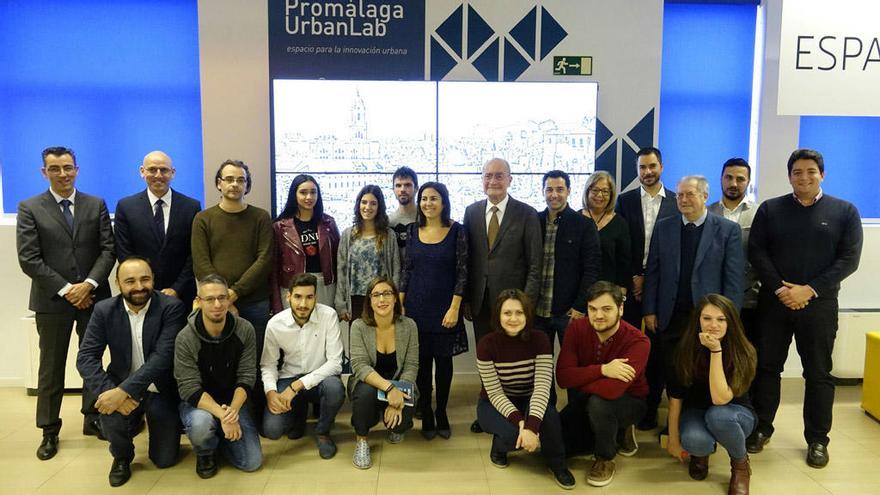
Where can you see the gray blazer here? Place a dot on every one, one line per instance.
(52, 255)
(751, 283)
(389, 257)
(363, 350)
(514, 262)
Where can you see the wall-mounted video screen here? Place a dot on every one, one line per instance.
(352, 133)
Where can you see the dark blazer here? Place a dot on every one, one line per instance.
(514, 262)
(629, 206)
(718, 266)
(110, 327)
(577, 260)
(136, 235)
(53, 256)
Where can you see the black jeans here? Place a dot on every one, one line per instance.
(505, 433)
(590, 424)
(814, 329)
(554, 326)
(367, 410)
(163, 421)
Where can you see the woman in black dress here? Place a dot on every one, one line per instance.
(599, 197)
(432, 285)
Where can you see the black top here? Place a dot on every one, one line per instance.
(308, 236)
(386, 364)
(697, 395)
(615, 244)
(690, 241)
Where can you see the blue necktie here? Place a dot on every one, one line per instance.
(68, 215)
(159, 220)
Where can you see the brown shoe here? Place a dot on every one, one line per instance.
(698, 468)
(740, 473)
(601, 473)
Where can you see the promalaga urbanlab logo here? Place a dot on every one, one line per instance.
(340, 18)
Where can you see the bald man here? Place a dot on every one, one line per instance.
(156, 224)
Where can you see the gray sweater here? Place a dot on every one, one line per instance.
(363, 350)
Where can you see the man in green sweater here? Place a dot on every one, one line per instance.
(234, 240)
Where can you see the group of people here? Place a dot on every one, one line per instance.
(271, 297)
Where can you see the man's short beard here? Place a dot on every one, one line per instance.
(733, 198)
(128, 297)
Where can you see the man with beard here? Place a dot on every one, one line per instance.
(307, 342)
(406, 183)
(602, 363)
(215, 368)
(736, 174)
(642, 208)
(139, 326)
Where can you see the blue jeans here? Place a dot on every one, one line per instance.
(729, 425)
(205, 435)
(329, 393)
(505, 433)
(163, 421)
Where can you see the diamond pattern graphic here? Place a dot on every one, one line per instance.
(441, 61)
(487, 62)
(552, 33)
(524, 32)
(514, 63)
(450, 30)
(478, 32)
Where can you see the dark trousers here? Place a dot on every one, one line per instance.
(367, 410)
(632, 310)
(482, 320)
(163, 421)
(440, 369)
(661, 360)
(554, 327)
(505, 433)
(591, 424)
(257, 314)
(814, 329)
(54, 330)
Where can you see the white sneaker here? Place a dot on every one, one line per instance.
(361, 458)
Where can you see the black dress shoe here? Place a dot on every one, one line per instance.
(817, 455)
(756, 441)
(206, 466)
(92, 427)
(475, 427)
(499, 459)
(443, 429)
(48, 447)
(120, 472)
(648, 422)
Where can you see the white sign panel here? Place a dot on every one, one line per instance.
(829, 58)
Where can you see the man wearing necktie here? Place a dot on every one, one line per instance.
(65, 245)
(691, 255)
(505, 248)
(156, 224)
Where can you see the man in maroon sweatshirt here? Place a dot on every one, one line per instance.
(602, 362)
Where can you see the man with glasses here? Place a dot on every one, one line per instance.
(65, 245)
(234, 240)
(156, 224)
(505, 248)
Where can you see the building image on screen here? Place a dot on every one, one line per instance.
(352, 133)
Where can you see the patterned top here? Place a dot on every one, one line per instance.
(367, 265)
(513, 367)
(544, 307)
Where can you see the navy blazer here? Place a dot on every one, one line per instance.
(577, 259)
(136, 234)
(109, 327)
(718, 266)
(629, 206)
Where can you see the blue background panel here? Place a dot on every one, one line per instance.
(113, 80)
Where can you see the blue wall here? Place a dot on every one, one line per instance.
(705, 89)
(113, 80)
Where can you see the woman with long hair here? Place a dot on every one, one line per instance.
(432, 285)
(709, 402)
(516, 369)
(306, 241)
(367, 250)
(598, 205)
(384, 358)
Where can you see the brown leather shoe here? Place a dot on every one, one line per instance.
(740, 474)
(698, 468)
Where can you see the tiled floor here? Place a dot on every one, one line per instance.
(456, 466)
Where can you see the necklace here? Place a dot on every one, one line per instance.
(594, 219)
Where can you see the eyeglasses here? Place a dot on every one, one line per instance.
(234, 180)
(158, 171)
(56, 170)
(686, 195)
(212, 299)
(495, 176)
(600, 192)
(384, 294)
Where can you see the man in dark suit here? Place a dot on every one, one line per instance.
(157, 224)
(691, 255)
(65, 245)
(139, 326)
(642, 208)
(505, 249)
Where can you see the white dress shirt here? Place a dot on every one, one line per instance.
(743, 213)
(136, 324)
(502, 206)
(166, 207)
(650, 210)
(313, 350)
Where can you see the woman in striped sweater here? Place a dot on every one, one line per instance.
(516, 369)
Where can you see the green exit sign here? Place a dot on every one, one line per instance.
(572, 66)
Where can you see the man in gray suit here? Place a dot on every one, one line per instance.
(505, 248)
(65, 245)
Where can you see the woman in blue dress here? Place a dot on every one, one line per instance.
(432, 284)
